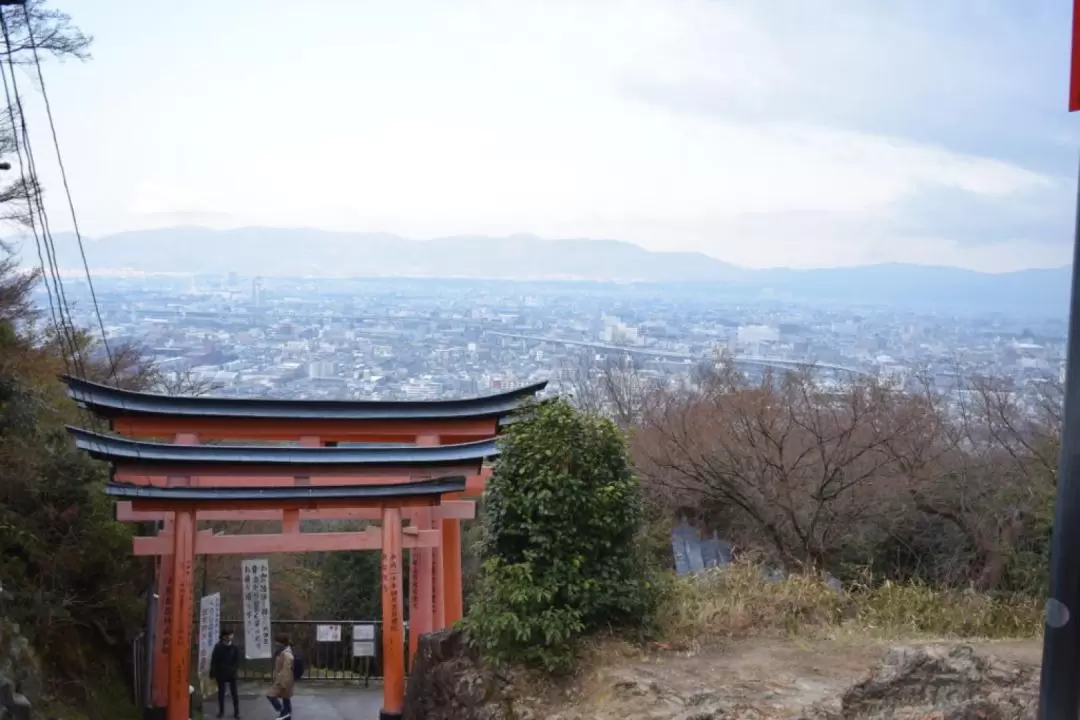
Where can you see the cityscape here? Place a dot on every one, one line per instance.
(420, 339)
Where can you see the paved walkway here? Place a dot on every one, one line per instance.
(312, 702)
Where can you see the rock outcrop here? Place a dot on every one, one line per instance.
(940, 683)
(932, 682)
(20, 677)
(450, 682)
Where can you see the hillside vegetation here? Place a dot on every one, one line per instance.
(69, 580)
(861, 508)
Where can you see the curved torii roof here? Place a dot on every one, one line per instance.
(110, 402)
(418, 488)
(289, 458)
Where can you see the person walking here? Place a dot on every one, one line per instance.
(281, 692)
(224, 665)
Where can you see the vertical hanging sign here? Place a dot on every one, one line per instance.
(257, 643)
(209, 630)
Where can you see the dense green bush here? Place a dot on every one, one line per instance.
(348, 586)
(562, 552)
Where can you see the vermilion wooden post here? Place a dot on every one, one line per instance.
(183, 562)
(163, 621)
(392, 611)
(453, 605)
(420, 590)
(421, 605)
(438, 585)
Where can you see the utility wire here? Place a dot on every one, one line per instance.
(67, 191)
(31, 217)
(50, 245)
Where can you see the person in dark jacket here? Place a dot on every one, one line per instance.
(224, 665)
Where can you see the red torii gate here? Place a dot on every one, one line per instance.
(332, 470)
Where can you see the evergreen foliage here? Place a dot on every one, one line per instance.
(69, 579)
(349, 586)
(561, 551)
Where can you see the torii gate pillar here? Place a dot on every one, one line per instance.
(392, 612)
(183, 561)
(421, 588)
(453, 602)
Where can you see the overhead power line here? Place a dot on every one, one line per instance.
(31, 189)
(67, 190)
(31, 217)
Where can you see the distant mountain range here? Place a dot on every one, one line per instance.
(300, 252)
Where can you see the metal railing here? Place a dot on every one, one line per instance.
(332, 661)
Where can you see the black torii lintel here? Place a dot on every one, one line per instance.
(122, 450)
(111, 402)
(417, 488)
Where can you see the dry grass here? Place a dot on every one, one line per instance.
(740, 599)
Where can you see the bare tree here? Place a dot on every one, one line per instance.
(992, 476)
(51, 32)
(953, 486)
(787, 461)
(15, 288)
(579, 374)
(184, 382)
(615, 386)
(35, 32)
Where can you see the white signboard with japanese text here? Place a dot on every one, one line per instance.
(363, 648)
(258, 643)
(209, 630)
(328, 633)
(363, 632)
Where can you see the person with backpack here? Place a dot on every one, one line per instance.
(224, 665)
(281, 692)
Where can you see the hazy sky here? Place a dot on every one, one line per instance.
(762, 132)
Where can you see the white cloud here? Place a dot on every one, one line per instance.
(503, 117)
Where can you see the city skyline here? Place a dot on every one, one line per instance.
(426, 339)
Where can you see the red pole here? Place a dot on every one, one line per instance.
(163, 621)
(451, 554)
(182, 608)
(392, 611)
(1074, 76)
(438, 586)
(420, 595)
(166, 606)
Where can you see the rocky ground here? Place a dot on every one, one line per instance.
(767, 678)
(756, 678)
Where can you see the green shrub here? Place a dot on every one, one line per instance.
(561, 550)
